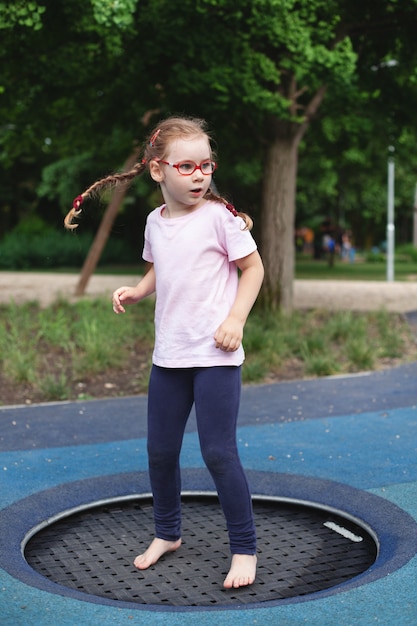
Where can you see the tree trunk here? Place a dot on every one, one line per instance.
(278, 201)
(103, 232)
(278, 216)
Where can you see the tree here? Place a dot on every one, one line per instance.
(21, 13)
(355, 129)
(260, 71)
(63, 95)
(268, 65)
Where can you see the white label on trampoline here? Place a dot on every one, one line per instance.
(343, 531)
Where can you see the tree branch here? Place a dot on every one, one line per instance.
(311, 110)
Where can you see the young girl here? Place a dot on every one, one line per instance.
(195, 243)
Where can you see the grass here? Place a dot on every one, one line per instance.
(306, 268)
(50, 352)
(323, 343)
(82, 350)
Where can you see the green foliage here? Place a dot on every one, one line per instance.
(28, 14)
(367, 268)
(405, 258)
(18, 345)
(360, 349)
(319, 364)
(375, 256)
(267, 43)
(54, 386)
(60, 178)
(391, 346)
(113, 19)
(360, 353)
(110, 13)
(22, 250)
(406, 253)
(32, 225)
(77, 92)
(321, 343)
(54, 352)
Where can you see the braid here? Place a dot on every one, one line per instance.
(155, 148)
(113, 180)
(210, 195)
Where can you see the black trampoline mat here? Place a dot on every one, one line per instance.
(302, 549)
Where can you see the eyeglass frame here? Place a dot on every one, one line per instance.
(196, 166)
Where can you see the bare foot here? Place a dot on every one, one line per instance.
(242, 571)
(157, 548)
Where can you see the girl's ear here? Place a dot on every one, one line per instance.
(155, 171)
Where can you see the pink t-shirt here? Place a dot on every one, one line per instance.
(196, 282)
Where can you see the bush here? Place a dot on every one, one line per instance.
(408, 253)
(375, 256)
(24, 249)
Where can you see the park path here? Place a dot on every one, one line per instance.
(400, 297)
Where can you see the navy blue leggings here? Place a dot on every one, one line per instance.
(215, 391)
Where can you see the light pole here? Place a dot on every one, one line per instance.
(415, 218)
(390, 216)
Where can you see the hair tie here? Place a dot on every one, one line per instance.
(154, 138)
(232, 209)
(77, 202)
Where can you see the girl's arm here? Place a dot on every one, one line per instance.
(228, 336)
(131, 295)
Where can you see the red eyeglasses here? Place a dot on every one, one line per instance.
(186, 168)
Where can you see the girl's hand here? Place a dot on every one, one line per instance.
(228, 336)
(131, 295)
(124, 295)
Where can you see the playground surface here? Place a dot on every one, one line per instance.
(346, 443)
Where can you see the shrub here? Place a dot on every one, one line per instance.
(408, 253)
(23, 249)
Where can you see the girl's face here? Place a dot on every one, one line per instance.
(183, 194)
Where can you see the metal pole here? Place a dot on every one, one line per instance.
(390, 220)
(415, 218)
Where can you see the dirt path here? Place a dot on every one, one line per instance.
(398, 297)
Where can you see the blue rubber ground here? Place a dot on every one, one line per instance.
(349, 443)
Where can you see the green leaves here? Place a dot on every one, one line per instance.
(82, 80)
(117, 13)
(28, 14)
(113, 18)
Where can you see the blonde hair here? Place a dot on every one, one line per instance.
(156, 147)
